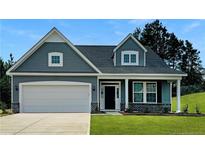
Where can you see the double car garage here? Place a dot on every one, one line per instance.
(55, 96)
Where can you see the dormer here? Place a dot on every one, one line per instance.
(129, 52)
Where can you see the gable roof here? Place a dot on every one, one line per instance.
(125, 39)
(101, 56)
(60, 38)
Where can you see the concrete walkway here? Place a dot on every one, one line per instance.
(46, 124)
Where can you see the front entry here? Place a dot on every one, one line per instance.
(109, 97)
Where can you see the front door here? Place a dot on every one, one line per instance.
(109, 97)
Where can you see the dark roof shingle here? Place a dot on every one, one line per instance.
(101, 57)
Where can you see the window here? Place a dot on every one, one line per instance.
(126, 58)
(133, 58)
(151, 92)
(130, 58)
(138, 92)
(55, 59)
(144, 92)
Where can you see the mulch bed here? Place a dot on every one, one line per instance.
(164, 114)
(99, 112)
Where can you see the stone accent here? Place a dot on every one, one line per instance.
(94, 107)
(146, 108)
(15, 107)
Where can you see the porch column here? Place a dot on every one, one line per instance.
(126, 94)
(178, 95)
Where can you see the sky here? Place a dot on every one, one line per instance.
(18, 36)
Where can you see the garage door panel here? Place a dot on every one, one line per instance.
(44, 108)
(55, 98)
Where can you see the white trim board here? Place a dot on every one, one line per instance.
(126, 38)
(101, 75)
(38, 44)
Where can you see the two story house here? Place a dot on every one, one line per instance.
(58, 76)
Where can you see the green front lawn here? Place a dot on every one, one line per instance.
(149, 125)
(191, 100)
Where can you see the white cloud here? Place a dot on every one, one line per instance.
(139, 22)
(119, 33)
(191, 26)
(114, 23)
(26, 33)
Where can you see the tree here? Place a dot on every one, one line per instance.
(178, 54)
(155, 36)
(137, 33)
(191, 64)
(175, 50)
(5, 85)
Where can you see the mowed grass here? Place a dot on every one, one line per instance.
(191, 100)
(146, 125)
(154, 125)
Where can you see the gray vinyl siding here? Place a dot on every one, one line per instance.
(38, 61)
(20, 79)
(165, 92)
(130, 45)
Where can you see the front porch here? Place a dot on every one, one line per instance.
(136, 95)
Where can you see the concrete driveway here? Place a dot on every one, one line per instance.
(46, 124)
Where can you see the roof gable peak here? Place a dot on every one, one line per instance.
(126, 38)
(53, 35)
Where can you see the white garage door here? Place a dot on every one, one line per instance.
(55, 97)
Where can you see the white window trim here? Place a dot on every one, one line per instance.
(144, 92)
(130, 52)
(50, 64)
(134, 92)
(151, 93)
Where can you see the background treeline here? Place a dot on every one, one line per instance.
(176, 53)
(5, 83)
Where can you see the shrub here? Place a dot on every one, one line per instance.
(192, 89)
(3, 107)
(129, 110)
(165, 110)
(198, 109)
(185, 109)
(96, 109)
(146, 110)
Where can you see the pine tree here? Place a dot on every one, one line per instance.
(176, 53)
(191, 64)
(175, 50)
(5, 85)
(155, 36)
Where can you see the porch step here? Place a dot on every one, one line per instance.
(113, 113)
